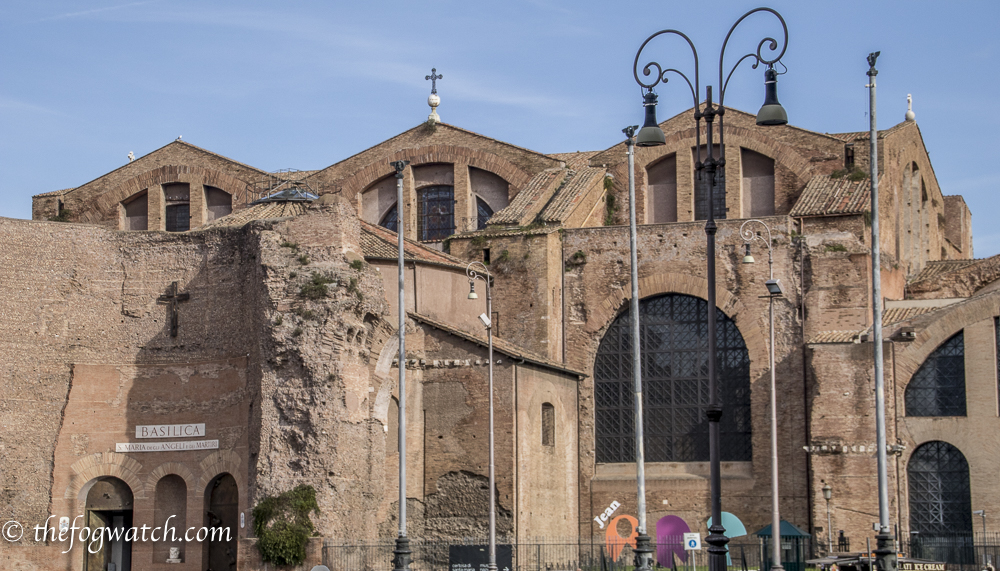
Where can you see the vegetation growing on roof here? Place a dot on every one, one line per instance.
(835, 248)
(316, 287)
(283, 527)
(854, 174)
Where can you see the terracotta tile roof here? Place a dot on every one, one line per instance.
(53, 192)
(570, 193)
(577, 160)
(262, 211)
(825, 196)
(897, 314)
(505, 347)
(525, 200)
(941, 267)
(836, 337)
(382, 243)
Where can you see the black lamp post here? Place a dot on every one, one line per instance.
(771, 113)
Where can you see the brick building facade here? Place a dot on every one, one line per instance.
(284, 386)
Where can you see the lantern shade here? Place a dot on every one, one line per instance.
(771, 113)
(748, 257)
(472, 290)
(650, 135)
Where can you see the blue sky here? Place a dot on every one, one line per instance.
(306, 84)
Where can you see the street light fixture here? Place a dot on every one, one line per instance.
(479, 271)
(402, 552)
(827, 494)
(774, 290)
(651, 135)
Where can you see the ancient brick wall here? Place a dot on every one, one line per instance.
(672, 260)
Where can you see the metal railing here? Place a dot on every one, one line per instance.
(961, 551)
(526, 555)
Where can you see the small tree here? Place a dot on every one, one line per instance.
(283, 527)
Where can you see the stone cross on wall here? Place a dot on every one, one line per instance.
(172, 298)
(434, 77)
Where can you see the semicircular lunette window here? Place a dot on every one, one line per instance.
(391, 219)
(938, 386)
(675, 384)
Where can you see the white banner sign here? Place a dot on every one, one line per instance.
(166, 446)
(170, 431)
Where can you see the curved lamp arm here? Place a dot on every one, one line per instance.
(758, 57)
(748, 234)
(479, 271)
(661, 74)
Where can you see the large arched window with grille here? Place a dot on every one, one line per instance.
(938, 386)
(938, 482)
(675, 384)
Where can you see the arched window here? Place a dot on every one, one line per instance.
(436, 216)
(938, 481)
(483, 213)
(178, 206)
(758, 184)
(391, 219)
(938, 386)
(675, 384)
(170, 514)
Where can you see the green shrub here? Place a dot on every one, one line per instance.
(358, 265)
(291, 245)
(316, 287)
(293, 275)
(304, 259)
(835, 248)
(278, 320)
(283, 527)
(296, 332)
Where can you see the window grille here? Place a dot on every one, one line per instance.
(437, 212)
(938, 386)
(484, 213)
(938, 481)
(675, 384)
(391, 219)
(178, 218)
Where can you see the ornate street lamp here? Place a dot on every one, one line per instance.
(773, 290)
(479, 271)
(770, 113)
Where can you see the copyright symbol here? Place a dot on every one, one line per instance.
(12, 531)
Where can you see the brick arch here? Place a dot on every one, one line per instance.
(383, 368)
(221, 462)
(431, 154)
(600, 318)
(108, 202)
(166, 469)
(98, 465)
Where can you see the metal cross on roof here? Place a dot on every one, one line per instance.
(434, 77)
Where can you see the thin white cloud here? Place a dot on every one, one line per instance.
(21, 107)
(95, 11)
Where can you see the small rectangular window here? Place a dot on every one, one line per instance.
(486, 255)
(849, 156)
(548, 425)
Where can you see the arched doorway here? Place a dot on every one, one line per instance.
(222, 518)
(675, 384)
(109, 511)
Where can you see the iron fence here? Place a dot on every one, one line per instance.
(534, 555)
(961, 551)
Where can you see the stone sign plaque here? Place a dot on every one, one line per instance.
(166, 446)
(170, 431)
(477, 558)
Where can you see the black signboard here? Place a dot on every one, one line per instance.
(477, 558)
